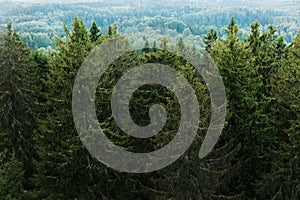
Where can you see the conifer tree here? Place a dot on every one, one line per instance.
(154, 47)
(18, 104)
(189, 177)
(242, 82)
(63, 161)
(210, 39)
(282, 181)
(11, 179)
(110, 31)
(146, 47)
(95, 32)
(256, 157)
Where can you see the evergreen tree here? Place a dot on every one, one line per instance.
(18, 103)
(257, 156)
(66, 170)
(282, 181)
(154, 47)
(146, 47)
(63, 161)
(210, 39)
(247, 67)
(268, 50)
(189, 177)
(254, 38)
(11, 179)
(242, 82)
(95, 32)
(109, 31)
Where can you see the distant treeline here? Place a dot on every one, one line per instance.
(39, 23)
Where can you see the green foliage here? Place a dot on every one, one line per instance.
(282, 182)
(257, 157)
(109, 32)
(146, 47)
(18, 102)
(210, 39)
(95, 32)
(189, 177)
(36, 40)
(247, 67)
(59, 145)
(11, 179)
(39, 23)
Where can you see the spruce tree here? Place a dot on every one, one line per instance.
(63, 161)
(95, 32)
(242, 82)
(11, 179)
(188, 177)
(268, 52)
(210, 39)
(18, 103)
(146, 47)
(282, 181)
(109, 31)
(154, 47)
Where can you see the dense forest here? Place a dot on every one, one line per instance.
(39, 23)
(42, 156)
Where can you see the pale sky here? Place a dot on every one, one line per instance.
(216, 1)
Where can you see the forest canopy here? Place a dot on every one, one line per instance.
(39, 23)
(42, 155)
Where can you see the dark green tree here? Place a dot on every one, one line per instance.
(109, 31)
(210, 39)
(189, 177)
(146, 47)
(63, 162)
(11, 179)
(18, 103)
(95, 32)
(154, 47)
(282, 180)
(268, 52)
(242, 82)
